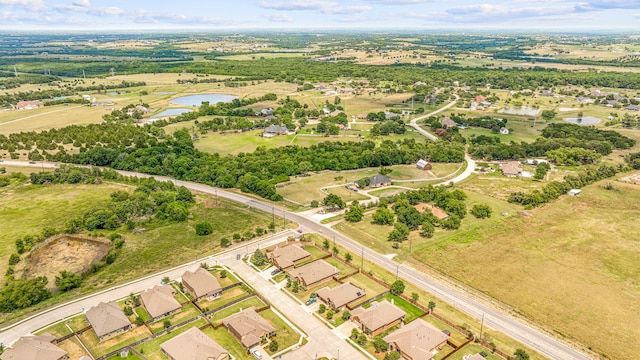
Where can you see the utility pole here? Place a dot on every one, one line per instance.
(481, 326)
(397, 268)
(362, 260)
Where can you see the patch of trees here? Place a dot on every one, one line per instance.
(541, 170)
(389, 127)
(633, 160)
(553, 190)
(22, 293)
(14, 98)
(587, 133)
(486, 122)
(573, 156)
(481, 211)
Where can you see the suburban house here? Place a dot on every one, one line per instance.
(313, 273)
(379, 180)
(27, 105)
(193, 344)
(504, 131)
(285, 257)
(273, 130)
(448, 123)
(159, 302)
(417, 340)
(34, 348)
(248, 327)
(423, 165)
(201, 284)
(379, 317)
(436, 211)
(341, 295)
(108, 320)
(510, 168)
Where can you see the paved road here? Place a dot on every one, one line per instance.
(414, 122)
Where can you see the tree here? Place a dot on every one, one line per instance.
(223, 274)
(330, 314)
(355, 213)
(295, 286)
(204, 228)
(427, 230)
(346, 315)
(322, 308)
(325, 244)
(348, 257)
(14, 259)
(431, 306)
(335, 250)
(393, 355)
(384, 170)
(399, 233)
(379, 344)
(304, 167)
(68, 280)
(481, 211)
(548, 115)
(166, 323)
(128, 310)
(139, 321)
(383, 216)
(273, 346)
(224, 242)
(415, 296)
(361, 340)
(333, 200)
(521, 355)
(397, 287)
(314, 203)
(22, 293)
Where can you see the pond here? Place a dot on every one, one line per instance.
(585, 120)
(196, 100)
(171, 112)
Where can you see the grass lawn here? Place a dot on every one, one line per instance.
(471, 349)
(229, 278)
(245, 142)
(58, 330)
(151, 349)
(228, 342)
(411, 310)
(446, 350)
(497, 185)
(316, 252)
(285, 336)
(142, 312)
(587, 244)
(227, 297)
(73, 348)
(347, 195)
(97, 348)
(235, 308)
(49, 117)
(343, 269)
(188, 312)
(387, 191)
(372, 288)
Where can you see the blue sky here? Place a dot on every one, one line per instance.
(460, 15)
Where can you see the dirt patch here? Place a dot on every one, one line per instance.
(633, 179)
(74, 253)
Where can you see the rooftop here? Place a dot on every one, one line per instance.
(201, 281)
(106, 318)
(193, 344)
(159, 300)
(417, 339)
(342, 294)
(314, 271)
(378, 314)
(34, 348)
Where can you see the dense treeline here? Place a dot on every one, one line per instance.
(13, 98)
(553, 190)
(133, 148)
(555, 136)
(300, 69)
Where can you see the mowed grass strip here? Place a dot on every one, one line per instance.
(97, 348)
(285, 335)
(235, 308)
(228, 342)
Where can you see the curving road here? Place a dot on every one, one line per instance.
(534, 338)
(414, 122)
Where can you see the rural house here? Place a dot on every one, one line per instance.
(248, 327)
(159, 302)
(341, 295)
(417, 340)
(313, 273)
(448, 123)
(193, 344)
(423, 165)
(379, 180)
(27, 105)
(108, 320)
(34, 348)
(285, 257)
(379, 317)
(510, 168)
(273, 130)
(201, 284)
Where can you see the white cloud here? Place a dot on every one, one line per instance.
(149, 17)
(28, 4)
(325, 7)
(279, 18)
(82, 3)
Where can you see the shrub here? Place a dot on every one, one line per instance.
(204, 228)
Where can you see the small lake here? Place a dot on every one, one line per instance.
(585, 120)
(197, 100)
(171, 112)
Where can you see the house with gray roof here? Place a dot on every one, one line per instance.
(417, 340)
(159, 302)
(379, 317)
(341, 295)
(313, 273)
(193, 344)
(379, 180)
(272, 130)
(201, 283)
(248, 327)
(108, 320)
(34, 348)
